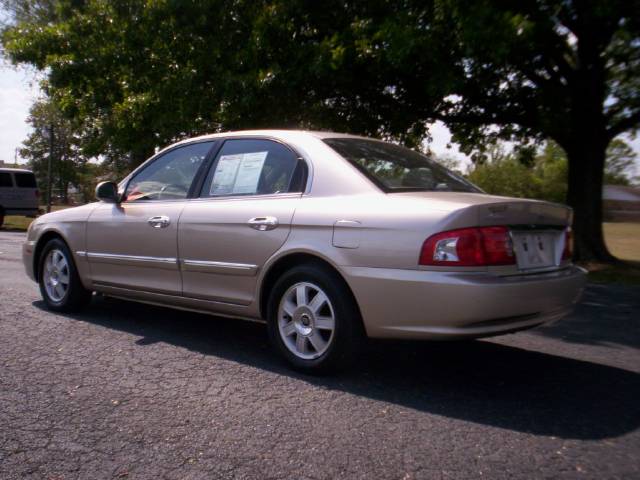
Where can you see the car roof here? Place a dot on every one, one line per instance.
(275, 133)
(15, 170)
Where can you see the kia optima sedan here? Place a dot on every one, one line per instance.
(328, 238)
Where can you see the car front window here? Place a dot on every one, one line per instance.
(397, 169)
(170, 176)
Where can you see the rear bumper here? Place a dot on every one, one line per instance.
(418, 304)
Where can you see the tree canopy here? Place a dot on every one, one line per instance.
(545, 177)
(69, 167)
(139, 74)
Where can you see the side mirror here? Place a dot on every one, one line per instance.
(107, 192)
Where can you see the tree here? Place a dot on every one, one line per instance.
(141, 74)
(67, 162)
(565, 70)
(448, 161)
(552, 171)
(506, 177)
(544, 178)
(620, 164)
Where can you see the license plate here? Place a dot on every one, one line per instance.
(534, 249)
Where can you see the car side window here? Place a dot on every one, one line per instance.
(254, 167)
(170, 176)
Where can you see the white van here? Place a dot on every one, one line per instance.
(19, 193)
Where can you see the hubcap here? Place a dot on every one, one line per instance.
(306, 320)
(56, 275)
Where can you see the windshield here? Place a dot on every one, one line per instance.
(398, 169)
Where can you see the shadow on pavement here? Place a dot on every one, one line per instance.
(481, 382)
(607, 315)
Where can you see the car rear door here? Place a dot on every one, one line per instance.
(133, 244)
(243, 216)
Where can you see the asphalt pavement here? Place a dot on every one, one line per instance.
(124, 390)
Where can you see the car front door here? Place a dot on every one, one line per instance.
(243, 216)
(133, 244)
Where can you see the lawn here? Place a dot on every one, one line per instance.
(15, 223)
(623, 239)
(18, 223)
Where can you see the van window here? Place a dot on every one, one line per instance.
(5, 179)
(25, 180)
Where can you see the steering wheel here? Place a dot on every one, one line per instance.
(173, 186)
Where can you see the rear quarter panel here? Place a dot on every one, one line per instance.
(364, 230)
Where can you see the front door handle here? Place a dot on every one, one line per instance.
(161, 221)
(263, 223)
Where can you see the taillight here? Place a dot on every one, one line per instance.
(567, 252)
(37, 193)
(469, 247)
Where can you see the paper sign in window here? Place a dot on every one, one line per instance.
(238, 174)
(249, 172)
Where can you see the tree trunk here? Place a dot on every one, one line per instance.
(586, 146)
(584, 195)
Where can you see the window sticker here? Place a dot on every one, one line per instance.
(225, 176)
(238, 173)
(249, 172)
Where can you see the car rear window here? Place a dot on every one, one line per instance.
(398, 169)
(25, 180)
(5, 179)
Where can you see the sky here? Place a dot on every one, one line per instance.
(18, 90)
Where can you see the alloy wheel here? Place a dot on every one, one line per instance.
(306, 320)
(56, 275)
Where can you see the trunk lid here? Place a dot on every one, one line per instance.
(537, 228)
(474, 209)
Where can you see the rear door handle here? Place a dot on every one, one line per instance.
(263, 223)
(161, 221)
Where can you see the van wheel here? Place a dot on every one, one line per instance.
(313, 320)
(60, 284)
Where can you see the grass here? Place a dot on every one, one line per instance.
(16, 223)
(623, 240)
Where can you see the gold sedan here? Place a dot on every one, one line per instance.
(329, 238)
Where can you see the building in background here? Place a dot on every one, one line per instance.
(621, 203)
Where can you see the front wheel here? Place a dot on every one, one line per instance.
(313, 320)
(60, 284)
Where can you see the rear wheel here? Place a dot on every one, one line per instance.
(313, 320)
(60, 284)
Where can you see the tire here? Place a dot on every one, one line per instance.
(313, 320)
(54, 267)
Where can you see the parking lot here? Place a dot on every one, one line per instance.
(125, 390)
